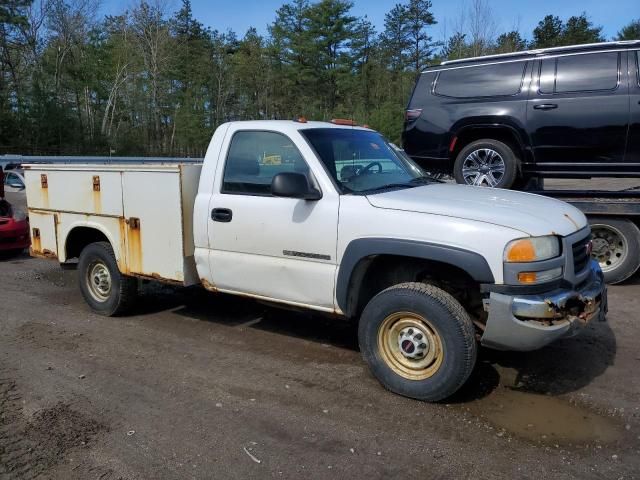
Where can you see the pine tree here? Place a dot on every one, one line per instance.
(630, 31)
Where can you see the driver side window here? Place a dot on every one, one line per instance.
(255, 157)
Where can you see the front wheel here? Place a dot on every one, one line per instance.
(418, 341)
(103, 287)
(486, 163)
(616, 247)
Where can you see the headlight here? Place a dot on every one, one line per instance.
(532, 249)
(19, 215)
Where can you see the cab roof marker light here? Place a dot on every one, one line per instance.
(344, 121)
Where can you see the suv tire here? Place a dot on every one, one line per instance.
(107, 291)
(418, 341)
(486, 162)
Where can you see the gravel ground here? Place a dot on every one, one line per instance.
(194, 385)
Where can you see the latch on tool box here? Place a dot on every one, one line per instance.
(96, 183)
(43, 180)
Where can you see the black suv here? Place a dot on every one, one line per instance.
(501, 119)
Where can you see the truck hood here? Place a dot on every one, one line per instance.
(532, 214)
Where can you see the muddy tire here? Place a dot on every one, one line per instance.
(616, 247)
(488, 163)
(418, 341)
(104, 288)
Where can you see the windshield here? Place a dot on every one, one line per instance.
(362, 161)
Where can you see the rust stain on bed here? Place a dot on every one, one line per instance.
(123, 261)
(134, 245)
(97, 199)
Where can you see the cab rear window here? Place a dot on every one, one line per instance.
(498, 80)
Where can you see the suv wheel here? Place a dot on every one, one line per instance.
(418, 341)
(487, 163)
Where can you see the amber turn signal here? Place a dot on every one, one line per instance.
(527, 277)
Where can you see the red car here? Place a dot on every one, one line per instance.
(14, 225)
(14, 228)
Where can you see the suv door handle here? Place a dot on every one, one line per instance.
(221, 215)
(546, 106)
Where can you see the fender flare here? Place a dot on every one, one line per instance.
(474, 264)
(518, 132)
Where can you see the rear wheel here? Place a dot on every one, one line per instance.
(103, 287)
(418, 341)
(486, 163)
(616, 247)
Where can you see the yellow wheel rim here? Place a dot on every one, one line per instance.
(410, 345)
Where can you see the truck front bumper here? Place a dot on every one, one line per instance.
(529, 322)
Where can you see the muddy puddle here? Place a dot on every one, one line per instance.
(545, 419)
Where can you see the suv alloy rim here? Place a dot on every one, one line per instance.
(99, 281)
(410, 346)
(484, 166)
(609, 246)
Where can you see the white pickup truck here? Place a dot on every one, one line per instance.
(331, 218)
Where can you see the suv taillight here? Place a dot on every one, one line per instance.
(412, 114)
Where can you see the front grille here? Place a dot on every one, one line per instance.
(580, 255)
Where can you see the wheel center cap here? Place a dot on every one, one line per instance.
(485, 169)
(408, 347)
(413, 343)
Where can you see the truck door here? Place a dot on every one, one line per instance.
(633, 144)
(579, 111)
(265, 246)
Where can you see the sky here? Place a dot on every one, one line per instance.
(239, 15)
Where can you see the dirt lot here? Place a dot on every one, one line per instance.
(202, 386)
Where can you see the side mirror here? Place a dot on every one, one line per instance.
(293, 185)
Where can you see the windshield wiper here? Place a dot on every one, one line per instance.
(423, 180)
(386, 187)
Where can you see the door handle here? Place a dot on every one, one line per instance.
(545, 106)
(221, 215)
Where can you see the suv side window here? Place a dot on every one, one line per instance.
(580, 73)
(255, 157)
(498, 80)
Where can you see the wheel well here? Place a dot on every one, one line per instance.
(376, 273)
(79, 238)
(502, 134)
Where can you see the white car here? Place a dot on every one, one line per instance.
(329, 217)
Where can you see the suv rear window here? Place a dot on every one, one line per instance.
(498, 80)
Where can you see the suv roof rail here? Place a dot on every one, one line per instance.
(540, 51)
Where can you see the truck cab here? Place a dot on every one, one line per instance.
(329, 217)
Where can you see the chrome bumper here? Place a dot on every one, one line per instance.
(529, 322)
